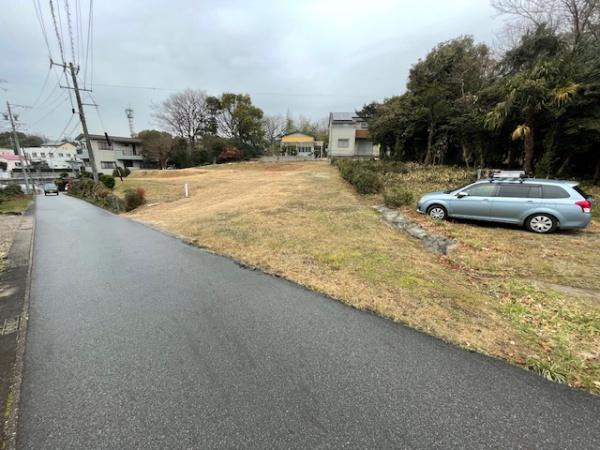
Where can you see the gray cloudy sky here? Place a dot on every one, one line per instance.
(306, 56)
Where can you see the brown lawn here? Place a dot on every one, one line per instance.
(532, 300)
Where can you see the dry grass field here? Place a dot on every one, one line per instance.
(532, 300)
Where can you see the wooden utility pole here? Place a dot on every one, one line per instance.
(88, 143)
(18, 147)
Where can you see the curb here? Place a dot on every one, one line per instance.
(15, 389)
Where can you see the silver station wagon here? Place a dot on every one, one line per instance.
(540, 205)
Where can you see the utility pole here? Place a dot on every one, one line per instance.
(88, 143)
(18, 147)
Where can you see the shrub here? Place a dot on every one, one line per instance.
(84, 174)
(107, 181)
(12, 190)
(230, 154)
(121, 172)
(134, 198)
(367, 182)
(101, 191)
(398, 196)
(82, 187)
(363, 175)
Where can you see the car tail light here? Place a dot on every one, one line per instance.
(586, 205)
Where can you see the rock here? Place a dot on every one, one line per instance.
(437, 244)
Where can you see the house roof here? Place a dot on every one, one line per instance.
(297, 137)
(101, 137)
(8, 157)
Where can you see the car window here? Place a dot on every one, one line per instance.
(482, 190)
(582, 192)
(515, 190)
(555, 192)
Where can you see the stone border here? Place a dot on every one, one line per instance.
(435, 243)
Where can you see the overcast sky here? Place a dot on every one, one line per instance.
(310, 57)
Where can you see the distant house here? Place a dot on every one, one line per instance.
(10, 162)
(56, 157)
(349, 137)
(116, 151)
(297, 144)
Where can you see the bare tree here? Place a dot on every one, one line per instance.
(186, 114)
(158, 146)
(576, 17)
(274, 127)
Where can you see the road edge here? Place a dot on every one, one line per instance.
(252, 267)
(11, 421)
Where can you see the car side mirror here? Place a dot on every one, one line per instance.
(462, 194)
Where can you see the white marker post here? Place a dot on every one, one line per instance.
(187, 194)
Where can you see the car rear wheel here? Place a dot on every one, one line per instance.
(437, 212)
(541, 223)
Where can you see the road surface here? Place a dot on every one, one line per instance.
(139, 341)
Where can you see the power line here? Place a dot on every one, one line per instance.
(65, 128)
(79, 30)
(38, 13)
(58, 35)
(96, 106)
(280, 94)
(70, 29)
(50, 112)
(51, 94)
(43, 87)
(88, 46)
(73, 128)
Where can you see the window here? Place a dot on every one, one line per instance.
(107, 164)
(554, 192)
(364, 125)
(343, 143)
(103, 145)
(34, 154)
(482, 190)
(50, 155)
(518, 191)
(43, 154)
(60, 155)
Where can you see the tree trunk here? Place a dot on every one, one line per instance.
(564, 165)
(597, 173)
(529, 152)
(512, 155)
(466, 154)
(429, 154)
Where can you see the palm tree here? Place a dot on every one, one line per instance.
(530, 94)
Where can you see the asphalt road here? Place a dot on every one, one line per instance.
(137, 340)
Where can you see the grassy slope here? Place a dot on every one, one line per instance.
(493, 293)
(15, 205)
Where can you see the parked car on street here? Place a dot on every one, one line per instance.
(540, 205)
(50, 188)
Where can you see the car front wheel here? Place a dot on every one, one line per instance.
(437, 212)
(541, 223)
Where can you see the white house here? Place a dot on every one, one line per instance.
(61, 156)
(349, 137)
(110, 153)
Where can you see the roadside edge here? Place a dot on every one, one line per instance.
(11, 421)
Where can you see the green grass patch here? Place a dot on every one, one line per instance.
(15, 205)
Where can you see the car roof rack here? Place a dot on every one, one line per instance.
(504, 175)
